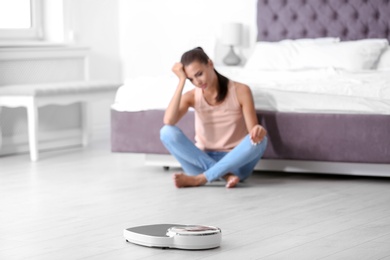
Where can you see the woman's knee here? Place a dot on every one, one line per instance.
(169, 133)
(257, 149)
(262, 146)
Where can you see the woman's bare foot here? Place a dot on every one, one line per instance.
(182, 180)
(231, 180)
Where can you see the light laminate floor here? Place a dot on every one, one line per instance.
(75, 203)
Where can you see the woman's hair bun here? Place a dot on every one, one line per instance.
(195, 54)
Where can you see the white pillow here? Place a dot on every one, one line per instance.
(348, 55)
(384, 60)
(282, 55)
(315, 41)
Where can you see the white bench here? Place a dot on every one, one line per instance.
(33, 96)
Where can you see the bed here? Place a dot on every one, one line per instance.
(320, 75)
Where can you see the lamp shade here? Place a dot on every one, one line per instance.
(231, 34)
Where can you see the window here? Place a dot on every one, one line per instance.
(21, 20)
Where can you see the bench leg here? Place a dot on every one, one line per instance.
(85, 123)
(32, 118)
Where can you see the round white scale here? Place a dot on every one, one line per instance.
(191, 237)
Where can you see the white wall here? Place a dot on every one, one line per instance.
(94, 23)
(154, 33)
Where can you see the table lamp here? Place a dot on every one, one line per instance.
(231, 36)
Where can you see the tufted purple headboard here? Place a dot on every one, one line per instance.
(347, 19)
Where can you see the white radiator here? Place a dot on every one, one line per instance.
(59, 125)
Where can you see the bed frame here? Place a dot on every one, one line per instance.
(299, 142)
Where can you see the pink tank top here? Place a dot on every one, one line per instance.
(220, 127)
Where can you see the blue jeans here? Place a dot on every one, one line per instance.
(240, 161)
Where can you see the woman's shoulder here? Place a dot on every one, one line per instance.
(190, 93)
(243, 92)
(241, 87)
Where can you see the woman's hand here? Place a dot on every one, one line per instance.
(257, 134)
(178, 69)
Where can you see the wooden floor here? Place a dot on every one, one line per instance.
(75, 203)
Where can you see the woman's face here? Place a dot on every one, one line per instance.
(201, 75)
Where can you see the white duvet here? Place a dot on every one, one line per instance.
(308, 91)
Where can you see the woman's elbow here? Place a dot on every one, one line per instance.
(169, 121)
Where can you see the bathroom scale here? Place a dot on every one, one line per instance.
(190, 237)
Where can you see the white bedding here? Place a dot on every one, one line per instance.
(308, 91)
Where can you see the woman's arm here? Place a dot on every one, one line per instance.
(245, 97)
(179, 103)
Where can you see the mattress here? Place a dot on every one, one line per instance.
(304, 91)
